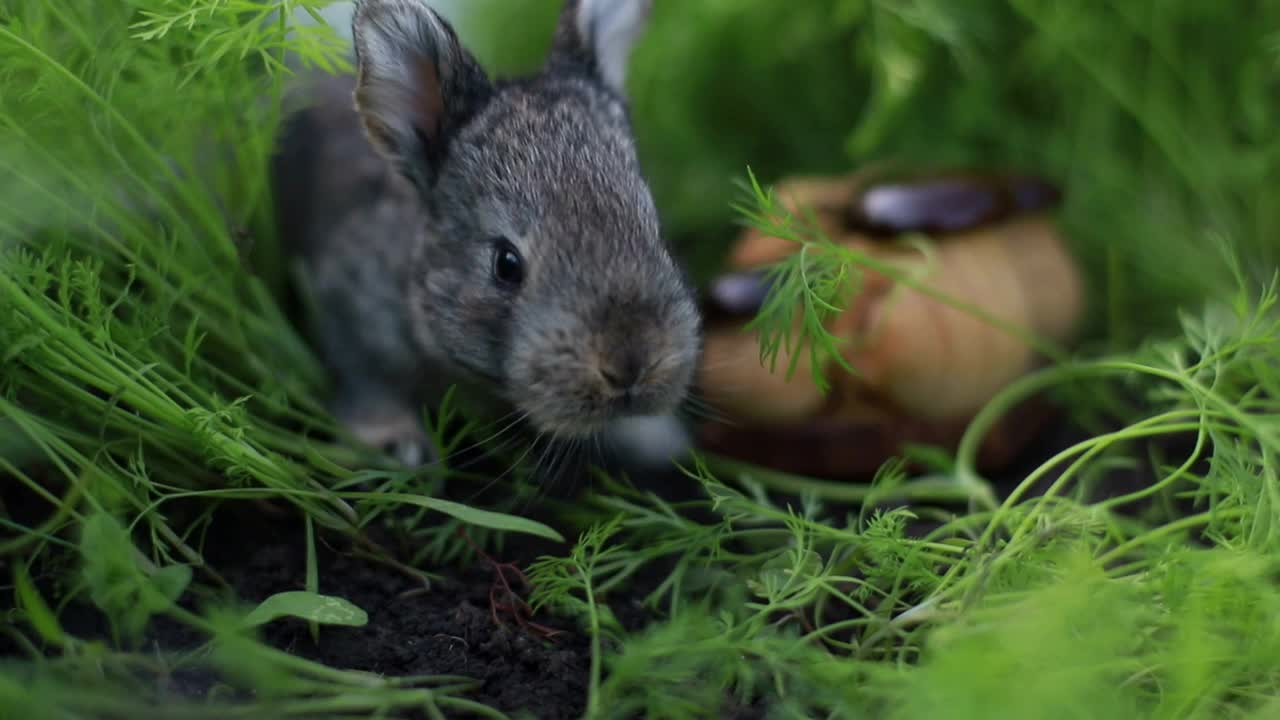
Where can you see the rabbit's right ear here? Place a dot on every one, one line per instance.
(415, 83)
(597, 35)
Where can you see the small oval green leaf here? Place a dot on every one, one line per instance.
(322, 609)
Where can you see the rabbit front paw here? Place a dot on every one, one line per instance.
(401, 438)
(388, 427)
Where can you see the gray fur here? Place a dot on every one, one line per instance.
(396, 235)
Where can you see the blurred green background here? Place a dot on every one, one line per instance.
(1156, 116)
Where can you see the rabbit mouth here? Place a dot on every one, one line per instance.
(570, 429)
(591, 417)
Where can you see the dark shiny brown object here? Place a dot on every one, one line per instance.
(934, 205)
(996, 249)
(945, 204)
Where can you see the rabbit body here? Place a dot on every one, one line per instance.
(492, 235)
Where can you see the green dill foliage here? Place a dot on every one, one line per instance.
(1055, 599)
(816, 284)
(1051, 601)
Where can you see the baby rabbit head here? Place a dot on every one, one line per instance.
(542, 270)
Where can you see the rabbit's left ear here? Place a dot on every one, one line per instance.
(415, 83)
(598, 35)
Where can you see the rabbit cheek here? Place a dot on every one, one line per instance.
(458, 325)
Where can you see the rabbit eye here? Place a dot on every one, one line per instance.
(508, 266)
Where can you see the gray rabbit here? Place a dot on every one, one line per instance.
(493, 235)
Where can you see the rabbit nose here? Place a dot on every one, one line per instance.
(623, 374)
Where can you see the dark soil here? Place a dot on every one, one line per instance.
(447, 628)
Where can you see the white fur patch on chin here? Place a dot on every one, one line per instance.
(649, 442)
